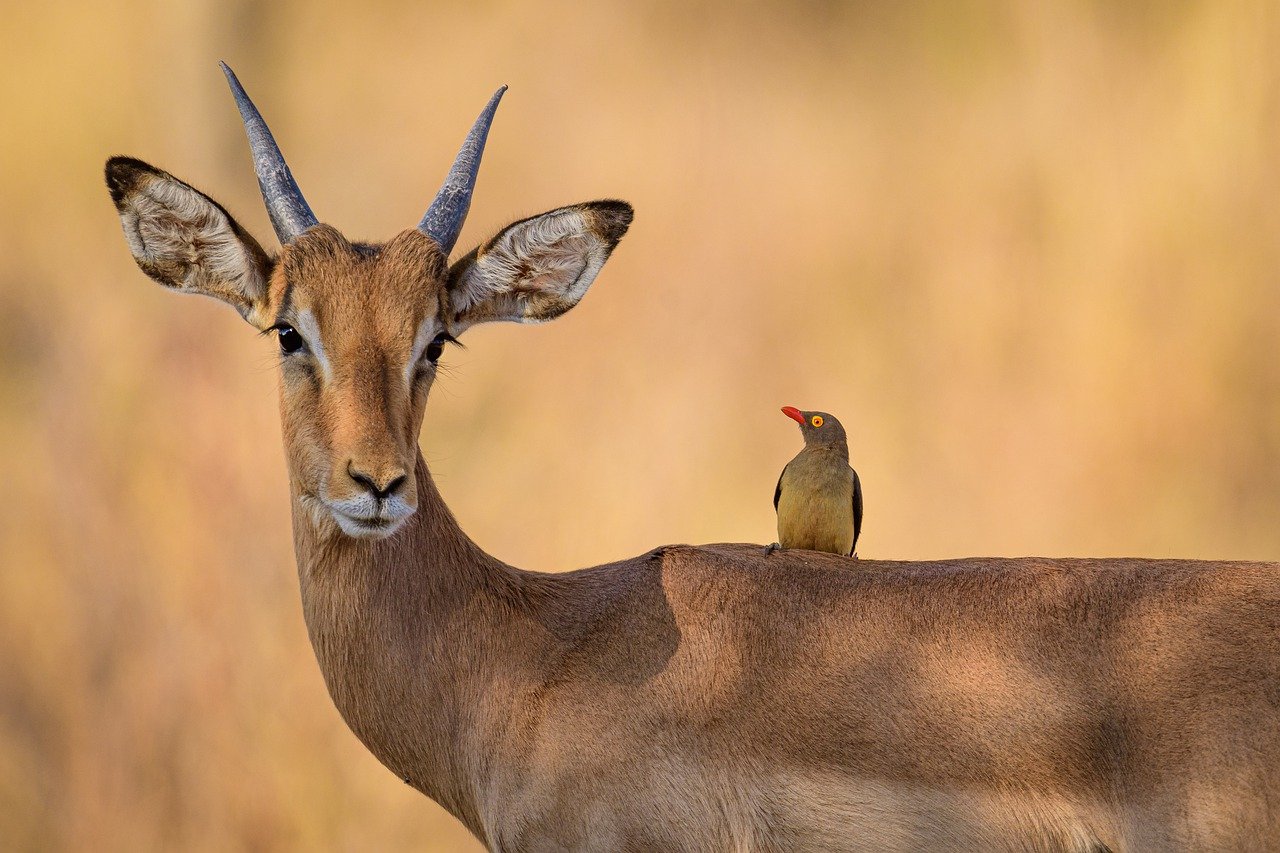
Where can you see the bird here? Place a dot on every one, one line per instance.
(819, 496)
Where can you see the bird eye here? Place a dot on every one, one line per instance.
(436, 347)
(290, 340)
(816, 420)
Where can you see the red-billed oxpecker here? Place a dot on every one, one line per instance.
(819, 496)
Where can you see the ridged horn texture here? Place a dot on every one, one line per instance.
(443, 220)
(290, 214)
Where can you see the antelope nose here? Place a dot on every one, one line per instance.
(380, 487)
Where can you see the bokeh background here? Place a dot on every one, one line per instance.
(1027, 252)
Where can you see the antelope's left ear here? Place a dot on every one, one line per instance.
(538, 268)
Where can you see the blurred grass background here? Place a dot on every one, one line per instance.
(1027, 252)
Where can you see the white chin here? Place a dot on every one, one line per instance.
(359, 528)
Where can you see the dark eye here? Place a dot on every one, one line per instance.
(436, 347)
(290, 340)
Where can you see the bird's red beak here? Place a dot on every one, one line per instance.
(793, 413)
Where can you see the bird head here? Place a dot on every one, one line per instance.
(818, 428)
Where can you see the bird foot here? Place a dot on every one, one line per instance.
(771, 548)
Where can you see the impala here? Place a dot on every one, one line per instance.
(702, 697)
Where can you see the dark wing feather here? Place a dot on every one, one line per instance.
(857, 510)
(777, 491)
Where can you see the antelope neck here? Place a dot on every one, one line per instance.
(409, 631)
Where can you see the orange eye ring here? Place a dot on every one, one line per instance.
(816, 420)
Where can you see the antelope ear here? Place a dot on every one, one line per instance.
(538, 268)
(186, 240)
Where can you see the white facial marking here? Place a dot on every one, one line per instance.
(365, 516)
(426, 333)
(305, 323)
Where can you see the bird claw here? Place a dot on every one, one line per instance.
(771, 548)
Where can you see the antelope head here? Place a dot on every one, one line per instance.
(360, 325)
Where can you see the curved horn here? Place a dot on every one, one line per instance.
(289, 212)
(443, 220)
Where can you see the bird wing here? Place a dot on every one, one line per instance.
(777, 492)
(857, 510)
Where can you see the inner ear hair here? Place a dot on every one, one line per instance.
(185, 240)
(537, 268)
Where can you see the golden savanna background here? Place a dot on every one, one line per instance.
(1029, 253)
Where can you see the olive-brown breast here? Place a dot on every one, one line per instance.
(815, 503)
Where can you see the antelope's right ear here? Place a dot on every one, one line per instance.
(187, 241)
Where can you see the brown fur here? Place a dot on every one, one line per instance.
(713, 698)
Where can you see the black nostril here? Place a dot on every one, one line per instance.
(394, 486)
(380, 493)
(363, 480)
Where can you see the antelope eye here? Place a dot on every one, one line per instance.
(290, 340)
(436, 347)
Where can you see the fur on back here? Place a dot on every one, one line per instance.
(814, 703)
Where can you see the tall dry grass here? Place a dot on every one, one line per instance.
(1027, 252)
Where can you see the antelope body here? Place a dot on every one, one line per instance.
(704, 697)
